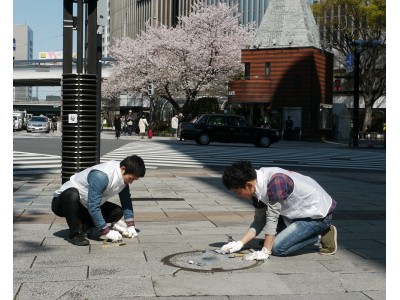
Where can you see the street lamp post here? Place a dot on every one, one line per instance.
(356, 105)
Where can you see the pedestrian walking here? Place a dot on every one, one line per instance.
(174, 125)
(304, 205)
(180, 120)
(142, 126)
(82, 200)
(129, 123)
(288, 128)
(123, 125)
(117, 126)
(54, 123)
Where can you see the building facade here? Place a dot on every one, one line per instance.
(104, 22)
(287, 73)
(129, 17)
(23, 36)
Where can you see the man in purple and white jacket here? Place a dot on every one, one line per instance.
(306, 209)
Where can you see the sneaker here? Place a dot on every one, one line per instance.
(329, 241)
(78, 239)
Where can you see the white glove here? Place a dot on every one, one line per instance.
(132, 231)
(112, 235)
(231, 247)
(122, 228)
(263, 254)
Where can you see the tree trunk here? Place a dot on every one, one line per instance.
(367, 117)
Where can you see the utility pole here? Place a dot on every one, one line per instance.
(150, 92)
(356, 104)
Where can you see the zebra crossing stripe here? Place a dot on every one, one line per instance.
(159, 155)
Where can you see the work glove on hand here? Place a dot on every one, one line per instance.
(132, 232)
(122, 228)
(263, 254)
(231, 247)
(112, 235)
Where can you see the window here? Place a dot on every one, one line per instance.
(233, 122)
(267, 70)
(247, 71)
(236, 122)
(216, 120)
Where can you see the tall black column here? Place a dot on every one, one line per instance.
(80, 99)
(356, 104)
(67, 36)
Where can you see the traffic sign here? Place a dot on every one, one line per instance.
(349, 59)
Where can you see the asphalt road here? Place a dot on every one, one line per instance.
(46, 143)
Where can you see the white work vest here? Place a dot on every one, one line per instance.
(79, 181)
(308, 199)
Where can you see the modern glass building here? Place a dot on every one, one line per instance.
(129, 17)
(250, 10)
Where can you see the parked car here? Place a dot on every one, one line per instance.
(227, 129)
(38, 124)
(17, 123)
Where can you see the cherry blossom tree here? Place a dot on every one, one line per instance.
(201, 53)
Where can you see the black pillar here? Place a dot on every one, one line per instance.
(99, 78)
(80, 99)
(67, 36)
(356, 104)
(92, 37)
(79, 43)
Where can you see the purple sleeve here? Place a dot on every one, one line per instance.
(279, 187)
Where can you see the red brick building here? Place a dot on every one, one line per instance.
(287, 73)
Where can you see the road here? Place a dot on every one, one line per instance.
(41, 153)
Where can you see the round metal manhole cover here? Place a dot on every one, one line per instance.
(208, 261)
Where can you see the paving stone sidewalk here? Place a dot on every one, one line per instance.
(181, 211)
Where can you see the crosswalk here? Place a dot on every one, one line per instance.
(34, 163)
(173, 154)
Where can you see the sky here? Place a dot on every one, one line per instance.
(44, 17)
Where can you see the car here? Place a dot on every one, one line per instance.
(227, 128)
(17, 123)
(38, 124)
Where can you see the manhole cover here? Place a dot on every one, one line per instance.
(208, 261)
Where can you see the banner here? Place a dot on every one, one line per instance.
(53, 55)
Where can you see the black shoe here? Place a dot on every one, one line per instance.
(78, 239)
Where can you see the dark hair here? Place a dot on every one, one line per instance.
(236, 175)
(134, 165)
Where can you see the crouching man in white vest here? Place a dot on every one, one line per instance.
(306, 209)
(83, 200)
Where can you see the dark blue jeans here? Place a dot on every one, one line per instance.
(129, 128)
(300, 233)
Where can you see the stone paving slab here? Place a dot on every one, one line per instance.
(331, 296)
(46, 266)
(138, 286)
(185, 283)
(50, 274)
